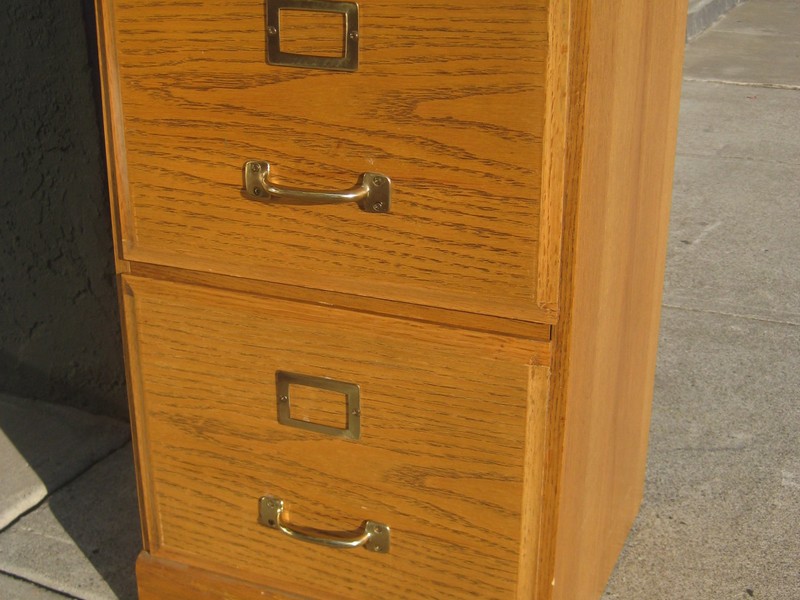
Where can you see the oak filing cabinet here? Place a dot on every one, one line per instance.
(390, 277)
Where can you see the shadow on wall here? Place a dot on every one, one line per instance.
(50, 386)
(59, 332)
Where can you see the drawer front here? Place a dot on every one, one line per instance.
(448, 101)
(443, 457)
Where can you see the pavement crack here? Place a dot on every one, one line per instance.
(732, 314)
(37, 584)
(736, 157)
(55, 490)
(706, 230)
(773, 86)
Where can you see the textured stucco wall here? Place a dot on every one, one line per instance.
(59, 334)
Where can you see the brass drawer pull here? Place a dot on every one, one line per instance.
(372, 192)
(373, 537)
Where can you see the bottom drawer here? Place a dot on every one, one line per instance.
(446, 453)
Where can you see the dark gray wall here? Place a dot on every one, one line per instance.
(59, 333)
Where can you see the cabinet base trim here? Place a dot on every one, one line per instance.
(158, 579)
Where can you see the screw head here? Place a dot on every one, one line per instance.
(283, 399)
(378, 181)
(272, 30)
(354, 35)
(377, 529)
(255, 167)
(377, 207)
(256, 191)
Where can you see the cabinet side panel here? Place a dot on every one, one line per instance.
(618, 217)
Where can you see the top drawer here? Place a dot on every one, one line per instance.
(449, 101)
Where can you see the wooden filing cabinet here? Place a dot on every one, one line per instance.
(390, 277)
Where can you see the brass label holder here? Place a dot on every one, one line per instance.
(347, 62)
(351, 391)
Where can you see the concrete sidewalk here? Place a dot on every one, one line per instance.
(68, 519)
(703, 14)
(721, 515)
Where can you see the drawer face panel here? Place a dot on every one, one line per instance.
(448, 101)
(440, 457)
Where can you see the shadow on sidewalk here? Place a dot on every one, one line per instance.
(84, 538)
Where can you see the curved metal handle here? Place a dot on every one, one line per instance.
(372, 192)
(373, 537)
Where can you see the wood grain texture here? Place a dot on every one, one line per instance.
(112, 130)
(532, 147)
(416, 312)
(314, 33)
(444, 454)
(628, 74)
(554, 154)
(449, 101)
(160, 579)
(577, 59)
(533, 506)
(131, 360)
(144, 485)
(314, 405)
